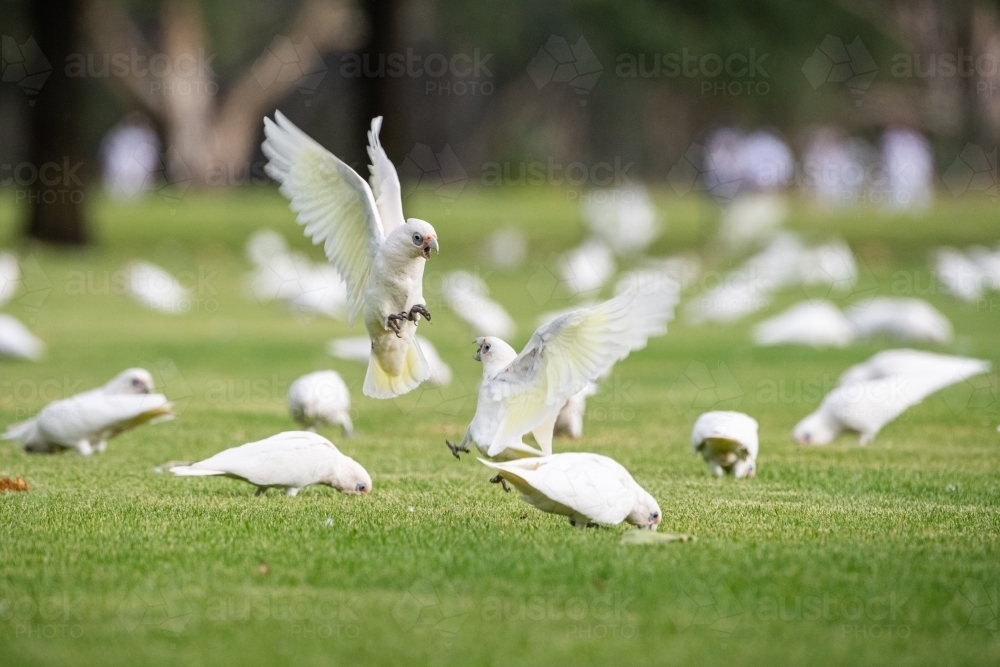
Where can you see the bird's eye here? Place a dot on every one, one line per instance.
(360, 488)
(486, 348)
(136, 382)
(654, 516)
(417, 238)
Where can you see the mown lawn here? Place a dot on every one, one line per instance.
(837, 555)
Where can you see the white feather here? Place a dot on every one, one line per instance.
(358, 348)
(903, 318)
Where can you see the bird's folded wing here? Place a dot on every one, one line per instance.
(288, 455)
(566, 354)
(384, 181)
(82, 416)
(594, 490)
(333, 203)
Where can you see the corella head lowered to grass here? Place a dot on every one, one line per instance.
(321, 399)
(524, 393)
(379, 254)
(587, 488)
(86, 421)
(728, 442)
(290, 461)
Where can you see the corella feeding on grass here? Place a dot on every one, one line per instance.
(321, 399)
(872, 394)
(379, 255)
(85, 422)
(728, 443)
(291, 461)
(524, 393)
(588, 488)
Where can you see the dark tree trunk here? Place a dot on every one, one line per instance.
(375, 95)
(56, 193)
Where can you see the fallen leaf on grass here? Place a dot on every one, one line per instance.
(649, 537)
(8, 484)
(264, 569)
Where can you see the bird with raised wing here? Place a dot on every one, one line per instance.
(524, 393)
(379, 255)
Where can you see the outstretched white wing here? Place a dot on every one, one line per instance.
(385, 182)
(333, 203)
(566, 354)
(577, 482)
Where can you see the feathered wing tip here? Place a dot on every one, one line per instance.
(189, 471)
(380, 384)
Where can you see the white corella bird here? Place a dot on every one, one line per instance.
(155, 288)
(468, 297)
(17, 341)
(960, 276)
(624, 218)
(872, 394)
(321, 399)
(586, 268)
(524, 393)
(588, 488)
(291, 461)
(813, 323)
(86, 421)
(728, 442)
(569, 422)
(379, 255)
(903, 318)
(358, 348)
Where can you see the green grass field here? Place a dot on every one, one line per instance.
(839, 555)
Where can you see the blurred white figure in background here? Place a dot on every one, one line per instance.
(988, 262)
(10, 276)
(959, 275)
(728, 442)
(264, 244)
(817, 324)
(507, 248)
(131, 157)
(902, 318)
(587, 267)
(320, 399)
(751, 218)
(683, 269)
(765, 161)
(723, 176)
(468, 296)
(623, 218)
(831, 264)
(17, 341)
(835, 167)
(908, 163)
(153, 287)
(569, 421)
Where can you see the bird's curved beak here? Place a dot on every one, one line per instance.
(431, 244)
(477, 356)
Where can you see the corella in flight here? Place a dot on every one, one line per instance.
(379, 255)
(727, 441)
(85, 422)
(290, 461)
(587, 488)
(524, 393)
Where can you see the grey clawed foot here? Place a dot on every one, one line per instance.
(419, 309)
(501, 481)
(455, 449)
(393, 322)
